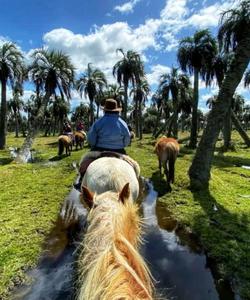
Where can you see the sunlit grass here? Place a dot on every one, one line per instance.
(30, 199)
(31, 195)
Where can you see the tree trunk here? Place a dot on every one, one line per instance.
(140, 120)
(16, 126)
(24, 153)
(199, 171)
(91, 106)
(227, 130)
(240, 129)
(3, 115)
(97, 112)
(193, 137)
(125, 104)
(175, 119)
(157, 121)
(136, 116)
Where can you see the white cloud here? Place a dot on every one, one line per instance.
(174, 10)
(156, 72)
(100, 46)
(127, 7)
(209, 16)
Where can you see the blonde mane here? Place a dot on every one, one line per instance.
(111, 267)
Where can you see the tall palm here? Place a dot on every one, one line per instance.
(234, 35)
(194, 55)
(15, 105)
(178, 86)
(140, 93)
(90, 83)
(157, 101)
(128, 70)
(11, 70)
(51, 72)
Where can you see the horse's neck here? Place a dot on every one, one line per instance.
(118, 267)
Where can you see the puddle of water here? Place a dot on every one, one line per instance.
(176, 259)
(54, 277)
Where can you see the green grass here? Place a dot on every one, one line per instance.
(31, 196)
(225, 232)
(30, 199)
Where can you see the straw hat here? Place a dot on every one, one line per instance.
(111, 105)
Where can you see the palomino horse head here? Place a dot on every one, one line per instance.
(167, 150)
(110, 264)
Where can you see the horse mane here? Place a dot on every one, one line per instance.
(110, 264)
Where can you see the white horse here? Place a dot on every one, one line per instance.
(111, 174)
(110, 265)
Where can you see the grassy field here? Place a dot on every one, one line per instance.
(31, 195)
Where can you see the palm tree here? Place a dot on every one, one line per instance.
(51, 72)
(81, 113)
(90, 83)
(178, 86)
(115, 92)
(194, 55)
(234, 35)
(11, 70)
(15, 105)
(60, 110)
(157, 101)
(128, 70)
(140, 93)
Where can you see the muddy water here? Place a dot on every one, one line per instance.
(177, 261)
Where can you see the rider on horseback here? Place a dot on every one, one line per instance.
(67, 130)
(80, 126)
(109, 133)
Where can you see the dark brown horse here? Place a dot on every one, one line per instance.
(64, 141)
(80, 137)
(167, 150)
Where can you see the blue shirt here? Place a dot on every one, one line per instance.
(109, 132)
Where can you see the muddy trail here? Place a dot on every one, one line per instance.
(178, 263)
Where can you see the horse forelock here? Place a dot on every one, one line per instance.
(110, 263)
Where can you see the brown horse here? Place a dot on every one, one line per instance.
(64, 141)
(111, 267)
(167, 150)
(80, 137)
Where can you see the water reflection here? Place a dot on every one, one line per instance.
(176, 259)
(180, 268)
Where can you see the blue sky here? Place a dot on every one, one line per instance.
(91, 31)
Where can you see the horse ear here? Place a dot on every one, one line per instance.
(87, 196)
(125, 193)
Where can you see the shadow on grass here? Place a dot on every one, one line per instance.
(160, 183)
(58, 157)
(226, 234)
(230, 161)
(5, 161)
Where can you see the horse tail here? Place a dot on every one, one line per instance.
(60, 146)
